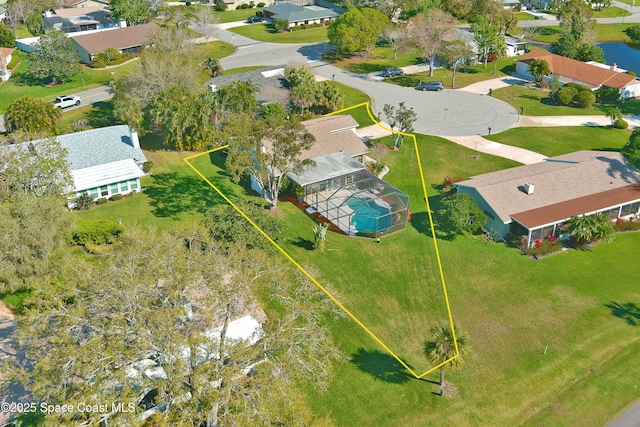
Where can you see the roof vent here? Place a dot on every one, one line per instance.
(529, 187)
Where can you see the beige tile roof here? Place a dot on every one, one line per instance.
(121, 38)
(581, 71)
(71, 12)
(334, 134)
(558, 179)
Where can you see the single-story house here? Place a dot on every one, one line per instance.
(298, 15)
(3, 13)
(74, 19)
(514, 45)
(5, 58)
(340, 188)
(270, 81)
(125, 40)
(537, 200)
(591, 75)
(104, 161)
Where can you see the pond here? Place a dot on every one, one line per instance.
(623, 54)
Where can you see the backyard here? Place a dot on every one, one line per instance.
(552, 341)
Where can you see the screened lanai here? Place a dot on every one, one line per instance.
(355, 201)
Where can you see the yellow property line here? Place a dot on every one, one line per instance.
(188, 159)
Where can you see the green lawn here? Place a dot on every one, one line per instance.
(21, 83)
(537, 102)
(377, 59)
(239, 70)
(99, 114)
(265, 32)
(524, 16)
(511, 306)
(603, 33)
(611, 12)
(561, 140)
(235, 15)
(469, 75)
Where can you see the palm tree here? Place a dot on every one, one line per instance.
(539, 68)
(445, 348)
(614, 114)
(587, 228)
(33, 116)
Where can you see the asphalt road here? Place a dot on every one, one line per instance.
(87, 97)
(446, 113)
(629, 418)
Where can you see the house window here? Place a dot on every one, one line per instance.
(104, 191)
(93, 193)
(134, 184)
(124, 186)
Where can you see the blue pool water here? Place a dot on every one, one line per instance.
(369, 216)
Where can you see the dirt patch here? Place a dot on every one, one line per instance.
(5, 313)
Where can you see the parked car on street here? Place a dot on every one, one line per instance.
(434, 85)
(254, 19)
(392, 71)
(65, 101)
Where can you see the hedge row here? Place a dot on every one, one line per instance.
(94, 231)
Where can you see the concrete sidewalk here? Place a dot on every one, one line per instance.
(551, 121)
(482, 145)
(483, 87)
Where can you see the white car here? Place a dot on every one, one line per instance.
(65, 101)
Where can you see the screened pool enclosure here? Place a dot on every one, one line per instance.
(359, 203)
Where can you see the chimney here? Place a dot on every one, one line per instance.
(529, 187)
(614, 66)
(134, 138)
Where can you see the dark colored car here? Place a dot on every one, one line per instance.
(392, 71)
(434, 85)
(254, 19)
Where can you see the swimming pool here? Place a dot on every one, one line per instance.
(368, 216)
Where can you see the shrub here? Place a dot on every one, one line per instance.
(629, 225)
(146, 166)
(116, 197)
(607, 95)
(543, 247)
(578, 87)
(543, 84)
(221, 6)
(376, 167)
(101, 201)
(280, 25)
(95, 231)
(261, 4)
(584, 99)
(633, 32)
(632, 73)
(620, 124)
(187, 3)
(565, 95)
(84, 202)
(447, 183)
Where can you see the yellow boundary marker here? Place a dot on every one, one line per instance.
(188, 159)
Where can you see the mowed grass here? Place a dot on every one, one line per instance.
(464, 77)
(235, 15)
(555, 141)
(603, 33)
(22, 84)
(377, 59)
(266, 33)
(578, 305)
(611, 12)
(538, 102)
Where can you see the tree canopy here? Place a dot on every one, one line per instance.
(267, 150)
(53, 58)
(357, 30)
(32, 116)
(150, 325)
(445, 346)
(133, 11)
(429, 32)
(462, 214)
(539, 69)
(7, 38)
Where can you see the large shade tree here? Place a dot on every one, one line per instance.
(445, 348)
(357, 30)
(152, 319)
(53, 58)
(429, 32)
(267, 150)
(456, 53)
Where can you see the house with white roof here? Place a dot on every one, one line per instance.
(535, 201)
(104, 161)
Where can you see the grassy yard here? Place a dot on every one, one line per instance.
(469, 75)
(511, 306)
(611, 12)
(21, 83)
(377, 59)
(265, 32)
(561, 140)
(235, 15)
(524, 16)
(603, 33)
(537, 102)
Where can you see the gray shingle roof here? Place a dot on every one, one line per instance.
(100, 146)
(268, 86)
(558, 179)
(294, 13)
